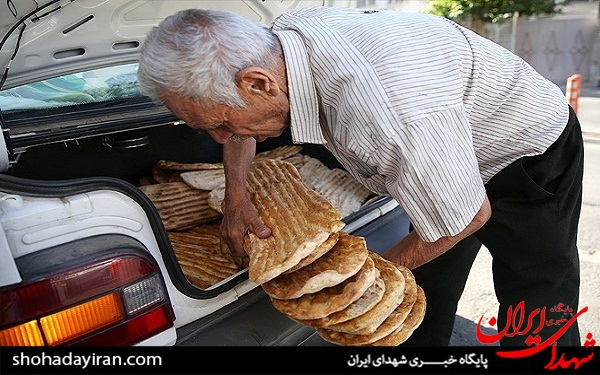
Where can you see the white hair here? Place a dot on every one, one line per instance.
(198, 52)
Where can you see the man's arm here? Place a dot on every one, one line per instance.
(413, 252)
(239, 214)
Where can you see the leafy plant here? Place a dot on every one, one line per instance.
(479, 12)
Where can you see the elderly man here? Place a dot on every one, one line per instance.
(473, 143)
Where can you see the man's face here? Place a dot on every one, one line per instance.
(260, 119)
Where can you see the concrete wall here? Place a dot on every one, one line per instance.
(557, 46)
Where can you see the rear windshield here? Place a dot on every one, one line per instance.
(92, 86)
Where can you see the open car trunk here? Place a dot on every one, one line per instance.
(80, 146)
(89, 186)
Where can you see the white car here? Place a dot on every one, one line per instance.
(84, 256)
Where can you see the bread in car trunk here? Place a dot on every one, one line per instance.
(136, 156)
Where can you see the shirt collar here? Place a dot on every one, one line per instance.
(304, 105)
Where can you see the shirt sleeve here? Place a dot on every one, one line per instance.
(430, 168)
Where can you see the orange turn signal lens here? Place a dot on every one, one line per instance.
(118, 300)
(26, 334)
(74, 322)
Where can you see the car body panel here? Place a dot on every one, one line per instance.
(83, 34)
(9, 274)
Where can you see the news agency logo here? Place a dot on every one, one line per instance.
(536, 321)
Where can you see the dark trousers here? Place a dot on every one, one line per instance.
(532, 237)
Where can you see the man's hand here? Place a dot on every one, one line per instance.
(239, 214)
(240, 218)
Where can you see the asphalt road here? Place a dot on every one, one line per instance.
(479, 299)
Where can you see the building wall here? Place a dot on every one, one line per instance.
(557, 46)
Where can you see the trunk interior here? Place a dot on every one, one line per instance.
(130, 156)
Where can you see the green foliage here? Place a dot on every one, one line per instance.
(492, 10)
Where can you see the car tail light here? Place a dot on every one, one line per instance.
(116, 301)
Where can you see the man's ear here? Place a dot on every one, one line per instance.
(255, 80)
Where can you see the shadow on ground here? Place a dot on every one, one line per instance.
(464, 330)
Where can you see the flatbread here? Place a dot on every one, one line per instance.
(206, 179)
(182, 167)
(366, 302)
(410, 296)
(397, 327)
(394, 320)
(319, 251)
(329, 300)
(203, 267)
(165, 175)
(215, 199)
(281, 152)
(206, 242)
(298, 160)
(299, 218)
(180, 206)
(410, 291)
(411, 323)
(337, 186)
(345, 259)
(208, 229)
(394, 294)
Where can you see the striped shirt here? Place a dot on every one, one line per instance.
(415, 106)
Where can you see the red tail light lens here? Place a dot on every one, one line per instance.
(106, 299)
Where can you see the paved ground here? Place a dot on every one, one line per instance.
(479, 298)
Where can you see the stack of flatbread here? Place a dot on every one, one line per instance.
(319, 275)
(313, 271)
(190, 194)
(334, 184)
(198, 252)
(179, 205)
